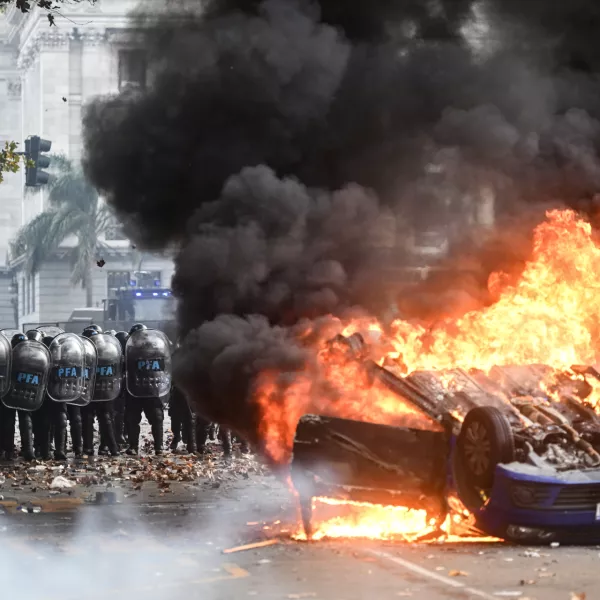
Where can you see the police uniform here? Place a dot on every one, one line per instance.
(7, 420)
(153, 410)
(103, 411)
(51, 426)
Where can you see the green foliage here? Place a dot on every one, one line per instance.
(9, 159)
(74, 209)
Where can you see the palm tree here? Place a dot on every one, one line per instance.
(74, 208)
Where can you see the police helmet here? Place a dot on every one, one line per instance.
(96, 327)
(137, 327)
(122, 337)
(90, 331)
(35, 335)
(111, 332)
(17, 339)
(47, 340)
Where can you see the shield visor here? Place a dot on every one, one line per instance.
(109, 368)
(65, 382)
(148, 364)
(28, 376)
(5, 362)
(89, 373)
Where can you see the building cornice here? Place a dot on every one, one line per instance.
(30, 33)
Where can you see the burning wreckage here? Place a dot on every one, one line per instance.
(516, 448)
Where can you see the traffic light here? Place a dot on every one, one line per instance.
(36, 161)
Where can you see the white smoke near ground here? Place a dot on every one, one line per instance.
(138, 552)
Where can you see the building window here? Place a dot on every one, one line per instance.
(132, 69)
(117, 280)
(33, 294)
(23, 291)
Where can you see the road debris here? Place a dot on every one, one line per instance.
(578, 596)
(262, 544)
(61, 483)
(455, 573)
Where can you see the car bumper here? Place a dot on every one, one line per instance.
(528, 504)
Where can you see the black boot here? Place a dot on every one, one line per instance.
(46, 447)
(26, 431)
(60, 443)
(189, 426)
(119, 428)
(157, 430)
(225, 435)
(87, 418)
(7, 431)
(76, 429)
(133, 434)
(107, 432)
(202, 434)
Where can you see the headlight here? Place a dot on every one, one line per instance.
(523, 495)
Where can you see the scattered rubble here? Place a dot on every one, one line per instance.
(126, 471)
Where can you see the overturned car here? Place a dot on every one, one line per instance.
(517, 446)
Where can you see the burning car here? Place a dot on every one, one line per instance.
(517, 446)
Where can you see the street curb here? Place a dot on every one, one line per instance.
(45, 505)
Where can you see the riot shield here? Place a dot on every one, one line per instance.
(50, 330)
(148, 364)
(5, 361)
(29, 376)
(109, 369)
(65, 383)
(89, 373)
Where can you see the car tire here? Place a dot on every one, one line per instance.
(485, 440)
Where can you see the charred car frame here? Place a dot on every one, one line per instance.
(516, 446)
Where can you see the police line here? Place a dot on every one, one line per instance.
(79, 369)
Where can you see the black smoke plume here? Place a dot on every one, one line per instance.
(277, 143)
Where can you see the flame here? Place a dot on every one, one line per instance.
(365, 520)
(375, 521)
(548, 316)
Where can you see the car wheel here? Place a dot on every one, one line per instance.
(485, 440)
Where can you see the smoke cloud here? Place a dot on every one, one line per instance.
(286, 150)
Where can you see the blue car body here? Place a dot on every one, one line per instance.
(532, 504)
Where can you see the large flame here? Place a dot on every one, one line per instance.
(375, 521)
(549, 316)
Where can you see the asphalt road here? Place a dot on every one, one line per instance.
(173, 549)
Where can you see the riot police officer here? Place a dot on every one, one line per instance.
(151, 407)
(7, 420)
(55, 416)
(103, 411)
(119, 403)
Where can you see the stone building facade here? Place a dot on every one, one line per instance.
(47, 75)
